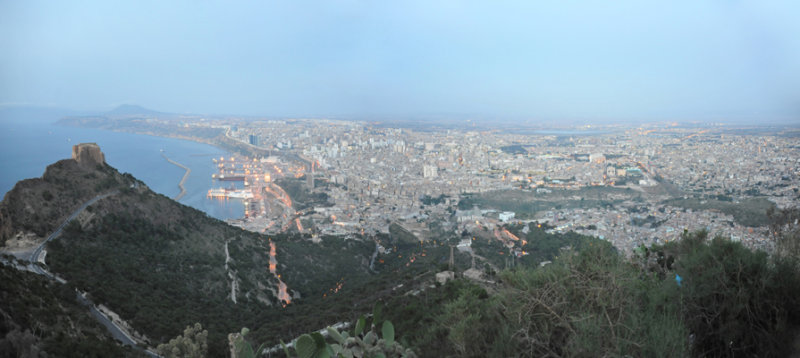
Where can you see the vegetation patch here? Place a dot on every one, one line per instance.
(302, 198)
(748, 212)
(39, 317)
(696, 297)
(527, 203)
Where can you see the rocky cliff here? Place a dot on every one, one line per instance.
(35, 207)
(88, 154)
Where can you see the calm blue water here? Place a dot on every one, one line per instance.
(27, 148)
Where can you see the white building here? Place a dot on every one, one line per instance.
(430, 171)
(597, 158)
(506, 216)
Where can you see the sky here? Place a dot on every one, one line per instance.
(590, 61)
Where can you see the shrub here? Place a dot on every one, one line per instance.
(736, 302)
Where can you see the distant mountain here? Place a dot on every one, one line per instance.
(48, 114)
(132, 110)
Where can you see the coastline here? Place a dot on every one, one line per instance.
(135, 152)
(219, 139)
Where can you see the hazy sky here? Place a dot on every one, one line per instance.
(584, 60)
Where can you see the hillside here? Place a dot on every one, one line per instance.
(699, 297)
(39, 318)
(158, 264)
(132, 110)
(162, 266)
(34, 207)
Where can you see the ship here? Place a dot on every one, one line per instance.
(229, 177)
(217, 193)
(240, 194)
(230, 193)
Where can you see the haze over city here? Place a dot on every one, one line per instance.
(589, 61)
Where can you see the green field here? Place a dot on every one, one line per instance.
(528, 203)
(748, 212)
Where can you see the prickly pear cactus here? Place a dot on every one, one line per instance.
(359, 345)
(370, 346)
(240, 348)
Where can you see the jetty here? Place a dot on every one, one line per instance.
(183, 180)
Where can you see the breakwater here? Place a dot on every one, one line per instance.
(40, 145)
(183, 180)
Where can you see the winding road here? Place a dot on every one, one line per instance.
(116, 331)
(38, 251)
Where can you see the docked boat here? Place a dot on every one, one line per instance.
(229, 177)
(240, 194)
(217, 193)
(230, 193)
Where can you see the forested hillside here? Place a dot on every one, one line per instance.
(41, 318)
(699, 297)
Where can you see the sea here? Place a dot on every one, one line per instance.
(28, 147)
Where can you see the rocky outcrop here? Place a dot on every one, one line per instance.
(35, 207)
(88, 155)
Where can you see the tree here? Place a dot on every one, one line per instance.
(192, 344)
(736, 302)
(783, 225)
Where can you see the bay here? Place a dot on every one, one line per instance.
(28, 147)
